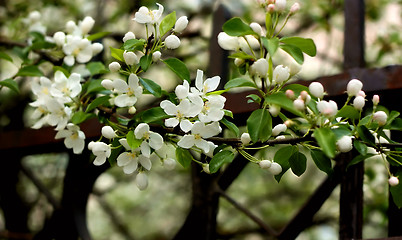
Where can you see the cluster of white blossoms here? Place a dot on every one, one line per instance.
(74, 42)
(55, 102)
(197, 113)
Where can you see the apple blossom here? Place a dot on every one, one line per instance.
(298, 104)
(199, 132)
(212, 109)
(260, 68)
(271, 8)
(316, 89)
(77, 48)
(202, 87)
(96, 48)
(278, 129)
(354, 86)
(141, 181)
(290, 94)
(274, 110)
(86, 25)
(380, 117)
(74, 138)
(107, 83)
(245, 138)
(66, 88)
(150, 139)
(132, 110)
(59, 38)
(129, 160)
(101, 150)
(295, 8)
(172, 42)
(145, 16)
(180, 24)
(128, 93)
(327, 108)
(376, 100)
(358, 103)
(280, 5)
(156, 56)
(256, 28)
(185, 109)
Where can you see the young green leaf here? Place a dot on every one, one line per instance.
(134, 44)
(282, 158)
(145, 62)
(167, 23)
(304, 44)
(11, 84)
(360, 147)
(239, 82)
(30, 71)
(94, 85)
(322, 161)
(326, 140)
(281, 100)
(231, 126)
(151, 86)
(219, 159)
(236, 27)
(358, 159)
(178, 67)
(80, 117)
(96, 68)
(154, 115)
(365, 135)
(259, 125)
(294, 52)
(117, 54)
(132, 141)
(298, 163)
(5, 56)
(97, 35)
(97, 102)
(348, 112)
(184, 157)
(271, 45)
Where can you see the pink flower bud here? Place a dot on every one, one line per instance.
(361, 93)
(271, 8)
(295, 8)
(380, 117)
(304, 95)
(393, 181)
(376, 100)
(290, 94)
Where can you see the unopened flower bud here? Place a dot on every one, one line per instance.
(86, 25)
(108, 132)
(70, 26)
(288, 123)
(275, 168)
(172, 42)
(295, 8)
(34, 16)
(59, 38)
(114, 66)
(280, 5)
(205, 168)
(361, 93)
(274, 110)
(169, 163)
(393, 181)
(290, 94)
(304, 95)
(294, 68)
(256, 28)
(278, 129)
(358, 103)
(328, 109)
(376, 100)
(344, 144)
(128, 36)
(354, 86)
(238, 62)
(298, 104)
(380, 117)
(108, 84)
(142, 181)
(260, 67)
(281, 74)
(130, 58)
(265, 164)
(156, 56)
(132, 110)
(227, 42)
(96, 48)
(181, 24)
(271, 8)
(245, 138)
(316, 89)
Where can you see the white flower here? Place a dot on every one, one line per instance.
(128, 36)
(227, 42)
(281, 74)
(380, 117)
(275, 168)
(203, 87)
(129, 160)
(42, 88)
(328, 109)
(101, 150)
(344, 144)
(393, 181)
(200, 131)
(211, 149)
(108, 132)
(245, 138)
(256, 28)
(376, 100)
(156, 56)
(358, 103)
(316, 89)
(278, 129)
(213, 109)
(146, 16)
(354, 86)
(150, 139)
(260, 67)
(71, 27)
(130, 58)
(142, 181)
(77, 48)
(280, 5)
(172, 42)
(66, 88)
(114, 66)
(128, 93)
(86, 25)
(181, 24)
(181, 112)
(74, 138)
(59, 115)
(265, 164)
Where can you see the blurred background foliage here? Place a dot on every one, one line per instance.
(117, 210)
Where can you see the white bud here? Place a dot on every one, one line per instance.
(265, 164)
(294, 68)
(376, 100)
(132, 110)
(361, 93)
(128, 36)
(227, 42)
(172, 42)
(260, 67)
(107, 83)
(358, 103)
(130, 58)
(380, 117)
(245, 138)
(91, 145)
(256, 28)
(298, 104)
(281, 74)
(96, 48)
(354, 86)
(169, 163)
(34, 16)
(275, 168)
(181, 24)
(108, 132)
(295, 8)
(114, 66)
(142, 181)
(86, 25)
(328, 109)
(239, 61)
(59, 38)
(393, 181)
(251, 42)
(344, 144)
(156, 56)
(316, 89)
(205, 168)
(70, 26)
(274, 110)
(278, 129)
(280, 5)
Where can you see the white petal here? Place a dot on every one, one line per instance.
(141, 130)
(199, 80)
(145, 162)
(187, 141)
(124, 158)
(131, 167)
(69, 60)
(155, 140)
(168, 107)
(145, 149)
(203, 144)
(99, 160)
(120, 85)
(211, 83)
(171, 122)
(186, 125)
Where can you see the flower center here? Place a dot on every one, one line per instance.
(130, 92)
(197, 136)
(74, 136)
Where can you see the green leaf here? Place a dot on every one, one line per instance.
(219, 159)
(116, 150)
(358, 159)
(259, 125)
(98, 35)
(239, 82)
(30, 71)
(304, 44)
(154, 115)
(167, 23)
(151, 86)
(281, 100)
(134, 44)
(80, 117)
(97, 102)
(282, 158)
(326, 140)
(117, 54)
(294, 52)
(228, 113)
(132, 141)
(253, 98)
(298, 163)
(145, 62)
(396, 191)
(348, 112)
(341, 131)
(96, 68)
(11, 84)
(236, 27)
(360, 147)
(5, 56)
(241, 55)
(365, 135)
(391, 117)
(94, 85)
(179, 68)
(184, 157)
(322, 161)
(271, 45)
(396, 124)
(231, 126)
(41, 45)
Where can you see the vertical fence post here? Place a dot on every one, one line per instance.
(351, 197)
